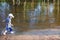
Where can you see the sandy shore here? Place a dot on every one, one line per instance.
(30, 37)
(53, 34)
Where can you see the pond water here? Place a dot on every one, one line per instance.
(39, 17)
(43, 32)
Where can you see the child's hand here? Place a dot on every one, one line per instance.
(12, 25)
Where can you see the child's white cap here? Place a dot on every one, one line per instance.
(11, 15)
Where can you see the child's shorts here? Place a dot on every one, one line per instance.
(9, 29)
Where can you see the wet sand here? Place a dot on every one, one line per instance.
(53, 34)
(30, 37)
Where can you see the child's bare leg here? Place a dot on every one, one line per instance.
(4, 33)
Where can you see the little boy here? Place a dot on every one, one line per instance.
(8, 24)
